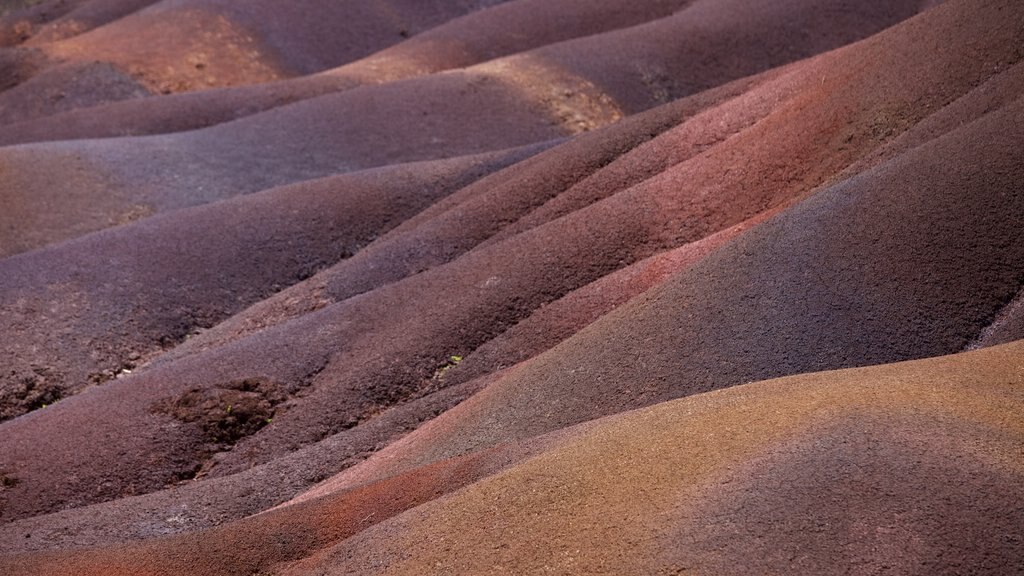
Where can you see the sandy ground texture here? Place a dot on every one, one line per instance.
(511, 287)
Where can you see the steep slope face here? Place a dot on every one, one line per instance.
(909, 260)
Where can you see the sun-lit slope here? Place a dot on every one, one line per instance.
(631, 293)
(255, 544)
(915, 466)
(910, 467)
(191, 44)
(359, 356)
(449, 227)
(485, 34)
(381, 262)
(50, 20)
(507, 28)
(45, 86)
(211, 501)
(611, 226)
(694, 48)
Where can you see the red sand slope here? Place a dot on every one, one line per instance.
(43, 21)
(189, 44)
(103, 51)
(874, 468)
(481, 35)
(913, 468)
(491, 298)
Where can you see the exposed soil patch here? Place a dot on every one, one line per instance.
(224, 414)
(7, 481)
(30, 390)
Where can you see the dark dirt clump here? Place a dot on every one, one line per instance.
(225, 414)
(30, 391)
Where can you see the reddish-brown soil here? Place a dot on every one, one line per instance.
(493, 31)
(511, 287)
(909, 468)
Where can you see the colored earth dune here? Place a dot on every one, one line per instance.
(662, 287)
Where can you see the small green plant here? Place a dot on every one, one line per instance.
(453, 361)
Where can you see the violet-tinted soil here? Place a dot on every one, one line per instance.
(511, 287)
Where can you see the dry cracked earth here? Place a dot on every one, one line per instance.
(658, 287)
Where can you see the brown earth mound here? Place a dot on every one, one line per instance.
(536, 96)
(911, 468)
(883, 468)
(482, 287)
(485, 34)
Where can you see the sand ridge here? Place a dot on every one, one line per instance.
(511, 287)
